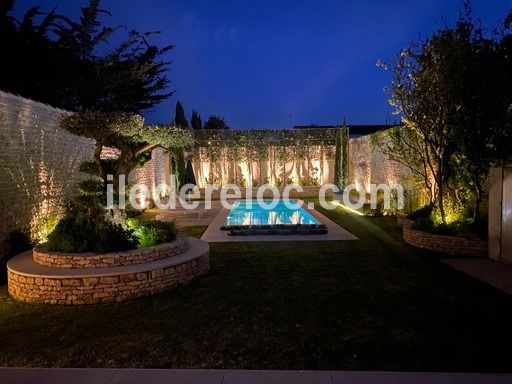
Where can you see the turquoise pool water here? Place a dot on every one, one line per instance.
(244, 214)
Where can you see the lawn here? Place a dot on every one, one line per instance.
(371, 304)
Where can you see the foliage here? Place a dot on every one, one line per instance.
(338, 159)
(423, 212)
(195, 121)
(275, 146)
(44, 227)
(341, 158)
(179, 119)
(258, 145)
(345, 155)
(454, 91)
(74, 234)
(154, 233)
(127, 133)
(19, 241)
(178, 157)
(179, 166)
(87, 226)
(405, 146)
(81, 63)
(216, 123)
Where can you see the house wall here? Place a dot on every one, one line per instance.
(500, 214)
(38, 164)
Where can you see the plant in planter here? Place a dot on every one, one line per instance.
(87, 225)
(154, 233)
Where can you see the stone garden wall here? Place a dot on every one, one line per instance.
(38, 164)
(367, 165)
(105, 288)
(450, 245)
(111, 259)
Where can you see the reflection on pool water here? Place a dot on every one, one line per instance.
(251, 213)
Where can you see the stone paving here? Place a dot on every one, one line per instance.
(161, 376)
(334, 231)
(497, 275)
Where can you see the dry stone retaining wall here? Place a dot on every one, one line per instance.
(451, 245)
(31, 282)
(104, 289)
(111, 259)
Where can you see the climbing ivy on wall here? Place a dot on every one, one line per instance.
(261, 145)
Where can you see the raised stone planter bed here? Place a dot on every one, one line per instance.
(451, 245)
(402, 219)
(31, 282)
(112, 259)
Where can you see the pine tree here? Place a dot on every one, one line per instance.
(216, 123)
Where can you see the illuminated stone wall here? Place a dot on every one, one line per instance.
(38, 164)
(366, 166)
(154, 172)
(279, 173)
(370, 166)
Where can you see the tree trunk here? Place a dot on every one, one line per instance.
(441, 194)
(97, 160)
(478, 200)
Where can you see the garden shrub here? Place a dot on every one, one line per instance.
(154, 233)
(19, 241)
(44, 227)
(79, 235)
(422, 213)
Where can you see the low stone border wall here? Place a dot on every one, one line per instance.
(112, 259)
(37, 284)
(451, 245)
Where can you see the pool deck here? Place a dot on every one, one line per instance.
(334, 232)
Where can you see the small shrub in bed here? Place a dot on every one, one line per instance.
(422, 213)
(19, 241)
(72, 235)
(154, 233)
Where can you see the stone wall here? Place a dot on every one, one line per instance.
(38, 164)
(308, 191)
(450, 245)
(104, 289)
(367, 165)
(111, 259)
(154, 172)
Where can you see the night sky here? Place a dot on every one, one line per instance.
(267, 64)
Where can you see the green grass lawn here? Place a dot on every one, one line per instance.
(371, 304)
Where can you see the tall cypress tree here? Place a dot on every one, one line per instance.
(338, 159)
(178, 160)
(195, 121)
(179, 119)
(344, 155)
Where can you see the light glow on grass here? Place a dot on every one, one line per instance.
(347, 208)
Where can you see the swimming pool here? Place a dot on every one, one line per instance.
(250, 213)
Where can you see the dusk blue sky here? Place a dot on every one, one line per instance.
(264, 64)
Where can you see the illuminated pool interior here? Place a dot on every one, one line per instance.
(250, 213)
